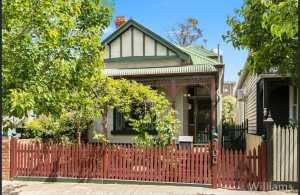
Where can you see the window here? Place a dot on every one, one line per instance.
(122, 127)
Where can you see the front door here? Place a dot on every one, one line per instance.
(202, 120)
(199, 119)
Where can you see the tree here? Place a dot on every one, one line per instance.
(228, 109)
(53, 65)
(186, 33)
(145, 109)
(269, 29)
(49, 47)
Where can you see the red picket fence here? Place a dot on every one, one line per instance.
(174, 163)
(122, 161)
(241, 170)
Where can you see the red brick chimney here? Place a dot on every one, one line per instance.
(120, 20)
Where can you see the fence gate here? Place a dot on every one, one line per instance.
(282, 142)
(238, 169)
(234, 136)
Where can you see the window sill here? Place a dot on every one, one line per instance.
(124, 132)
(130, 132)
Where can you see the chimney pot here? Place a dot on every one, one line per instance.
(120, 20)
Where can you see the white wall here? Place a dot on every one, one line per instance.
(161, 50)
(115, 48)
(138, 42)
(149, 46)
(126, 43)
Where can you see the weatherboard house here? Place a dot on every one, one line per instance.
(192, 77)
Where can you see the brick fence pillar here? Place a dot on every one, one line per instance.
(5, 158)
(8, 156)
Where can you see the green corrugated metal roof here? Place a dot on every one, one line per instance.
(198, 57)
(201, 68)
(203, 51)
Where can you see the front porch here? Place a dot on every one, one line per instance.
(194, 98)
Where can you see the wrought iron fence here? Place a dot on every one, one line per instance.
(234, 136)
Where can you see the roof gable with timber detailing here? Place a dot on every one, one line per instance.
(133, 41)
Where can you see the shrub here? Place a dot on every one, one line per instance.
(56, 129)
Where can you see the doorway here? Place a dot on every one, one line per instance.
(199, 115)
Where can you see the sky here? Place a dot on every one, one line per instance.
(161, 15)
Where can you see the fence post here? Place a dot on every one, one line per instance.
(12, 157)
(214, 157)
(269, 125)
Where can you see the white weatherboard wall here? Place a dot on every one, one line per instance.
(246, 109)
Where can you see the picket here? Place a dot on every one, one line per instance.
(126, 161)
(155, 159)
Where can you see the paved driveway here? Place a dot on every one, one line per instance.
(53, 188)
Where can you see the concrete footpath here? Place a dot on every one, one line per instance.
(53, 188)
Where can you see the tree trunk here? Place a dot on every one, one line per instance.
(78, 131)
(104, 121)
(78, 135)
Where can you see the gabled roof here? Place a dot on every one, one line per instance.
(180, 53)
(200, 59)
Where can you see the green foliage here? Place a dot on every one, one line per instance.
(269, 29)
(228, 109)
(56, 129)
(49, 47)
(100, 137)
(53, 62)
(145, 109)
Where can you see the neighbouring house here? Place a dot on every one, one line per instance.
(261, 94)
(191, 77)
(228, 88)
